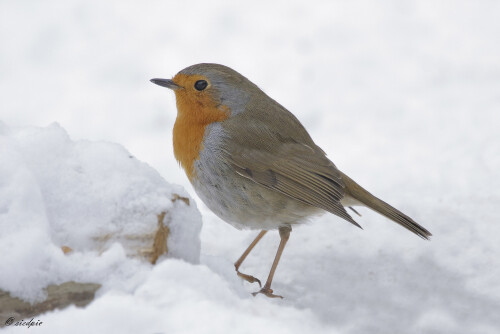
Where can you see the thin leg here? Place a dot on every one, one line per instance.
(284, 235)
(242, 258)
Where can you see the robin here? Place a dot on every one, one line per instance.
(253, 163)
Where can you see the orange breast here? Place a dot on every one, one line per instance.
(194, 113)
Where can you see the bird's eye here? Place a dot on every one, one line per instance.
(200, 85)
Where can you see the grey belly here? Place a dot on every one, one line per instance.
(246, 204)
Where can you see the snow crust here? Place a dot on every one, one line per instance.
(93, 197)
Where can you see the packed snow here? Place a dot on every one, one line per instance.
(94, 198)
(403, 96)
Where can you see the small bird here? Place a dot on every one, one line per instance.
(253, 163)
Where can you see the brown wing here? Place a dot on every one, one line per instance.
(272, 148)
(297, 171)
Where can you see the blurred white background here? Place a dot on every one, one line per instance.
(404, 96)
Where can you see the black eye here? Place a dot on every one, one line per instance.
(200, 84)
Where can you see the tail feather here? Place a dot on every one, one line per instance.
(357, 192)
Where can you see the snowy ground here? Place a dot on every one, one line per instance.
(403, 96)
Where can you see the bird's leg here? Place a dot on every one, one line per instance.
(284, 235)
(242, 258)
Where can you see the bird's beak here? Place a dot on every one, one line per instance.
(166, 83)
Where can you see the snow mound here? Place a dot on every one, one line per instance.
(93, 197)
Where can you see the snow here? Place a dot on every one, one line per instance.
(403, 96)
(92, 197)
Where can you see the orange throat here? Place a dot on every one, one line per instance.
(188, 139)
(192, 118)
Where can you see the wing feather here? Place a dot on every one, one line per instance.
(291, 172)
(269, 146)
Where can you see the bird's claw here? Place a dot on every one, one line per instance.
(248, 278)
(267, 292)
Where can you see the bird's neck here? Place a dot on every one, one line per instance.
(189, 129)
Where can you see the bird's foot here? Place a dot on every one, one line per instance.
(248, 278)
(268, 292)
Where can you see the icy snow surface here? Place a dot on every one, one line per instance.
(404, 96)
(92, 197)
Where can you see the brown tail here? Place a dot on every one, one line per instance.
(357, 192)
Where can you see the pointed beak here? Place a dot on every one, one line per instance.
(166, 83)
